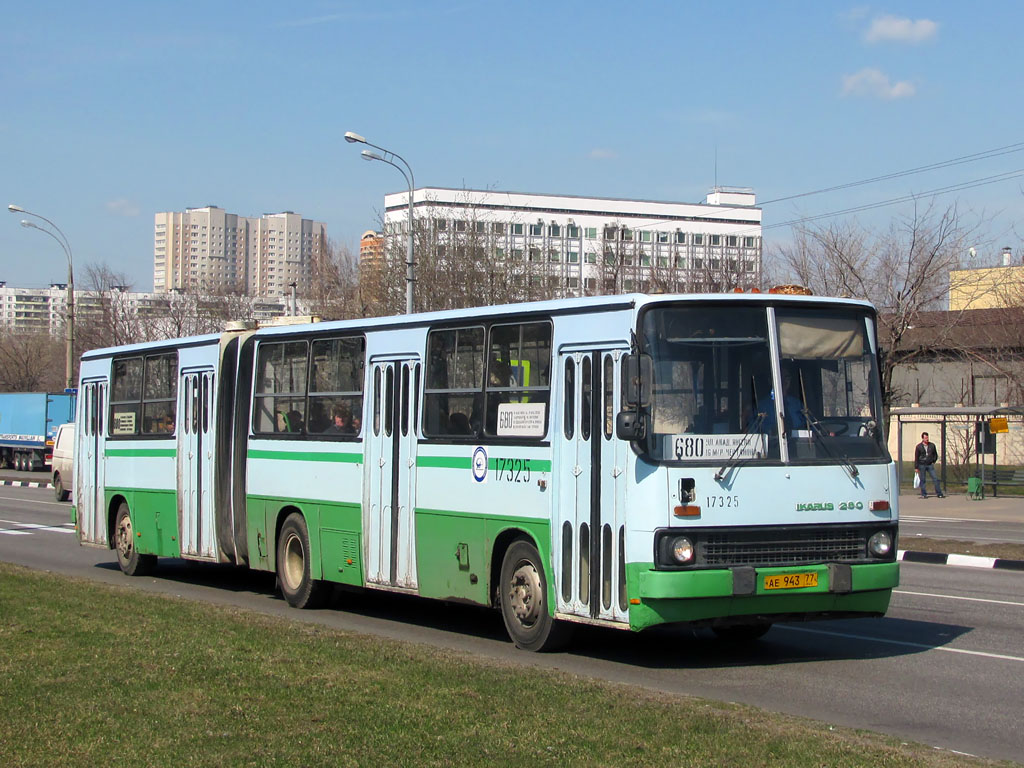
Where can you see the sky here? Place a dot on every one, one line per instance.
(113, 111)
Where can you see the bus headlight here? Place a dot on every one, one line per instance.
(682, 550)
(880, 544)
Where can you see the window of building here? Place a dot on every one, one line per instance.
(716, 239)
(611, 233)
(591, 233)
(663, 237)
(440, 224)
(572, 231)
(517, 229)
(574, 257)
(748, 242)
(536, 230)
(498, 228)
(698, 239)
(731, 240)
(554, 230)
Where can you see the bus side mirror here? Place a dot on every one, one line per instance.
(638, 375)
(630, 426)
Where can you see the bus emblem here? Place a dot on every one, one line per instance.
(480, 464)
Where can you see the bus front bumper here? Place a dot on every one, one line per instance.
(792, 593)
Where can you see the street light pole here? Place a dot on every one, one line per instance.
(389, 157)
(69, 323)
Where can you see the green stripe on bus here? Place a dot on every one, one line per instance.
(342, 458)
(143, 452)
(461, 462)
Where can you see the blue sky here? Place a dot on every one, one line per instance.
(112, 111)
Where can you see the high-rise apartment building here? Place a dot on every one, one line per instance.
(207, 250)
(592, 245)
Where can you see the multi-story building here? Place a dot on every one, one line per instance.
(207, 250)
(44, 310)
(590, 245)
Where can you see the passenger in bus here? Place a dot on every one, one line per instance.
(458, 424)
(341, 421)
(293, 421)
(793, 408)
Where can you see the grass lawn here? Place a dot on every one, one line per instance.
(93, 675)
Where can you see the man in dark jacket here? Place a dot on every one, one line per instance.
(925, 456)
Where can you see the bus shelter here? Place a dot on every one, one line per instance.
(979, 446)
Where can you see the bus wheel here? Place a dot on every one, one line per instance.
(58, 489)
(742, 633)
(298, 586)
(524, 605)
(131, 562)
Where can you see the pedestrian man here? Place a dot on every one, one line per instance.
(925, 456)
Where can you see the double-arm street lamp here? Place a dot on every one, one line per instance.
(69, 361)
(389, 157)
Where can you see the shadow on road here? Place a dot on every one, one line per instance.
(663, 647)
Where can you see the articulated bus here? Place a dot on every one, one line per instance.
(624, 461)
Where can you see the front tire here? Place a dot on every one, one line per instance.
(59, 491)
(523, 594)
(131, 562)
(298, 586)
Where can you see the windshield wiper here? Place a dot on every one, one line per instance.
(733, 461)
(818, 432)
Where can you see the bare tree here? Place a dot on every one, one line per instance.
(104, 314)
(904, 271)
(31, 362)
(334, 293)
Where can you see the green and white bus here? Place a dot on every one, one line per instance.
(621, 460)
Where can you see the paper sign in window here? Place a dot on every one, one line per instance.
(521, 420)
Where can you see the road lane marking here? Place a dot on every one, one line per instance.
(958, 597)
(925, 519)
(22, 529)
(904, 643)
(65, 504)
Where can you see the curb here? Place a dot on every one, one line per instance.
(971, 561)
(25, 484)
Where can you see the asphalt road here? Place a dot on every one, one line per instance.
(945, 667)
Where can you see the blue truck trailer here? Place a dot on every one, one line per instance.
(28, 424)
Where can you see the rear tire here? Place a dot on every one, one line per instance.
(740, 634)
(523, 594)
(298, 586)
(59, 490)
(131, 562)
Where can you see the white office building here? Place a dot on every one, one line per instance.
(207, 250)
(593, 245)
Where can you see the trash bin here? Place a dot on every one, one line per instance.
(974, 488)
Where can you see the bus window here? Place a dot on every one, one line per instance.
(586, 383)
(569, 416)
(336, 386)
(518, 380)
(453, 392)
(279, 402)
(712, 373)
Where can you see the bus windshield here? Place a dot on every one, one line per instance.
(714, 391)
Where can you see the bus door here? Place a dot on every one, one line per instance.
(90, 505)
(590, 535)
(195, 464)
(389, 517)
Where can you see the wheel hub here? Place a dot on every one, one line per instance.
(124, 537)
(525, 594)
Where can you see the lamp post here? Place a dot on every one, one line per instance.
(389, 157)
(62, 241)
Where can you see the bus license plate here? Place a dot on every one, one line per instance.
(791, 580)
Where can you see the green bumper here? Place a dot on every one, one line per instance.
(660, 597)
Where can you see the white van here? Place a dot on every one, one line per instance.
(62, 463)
